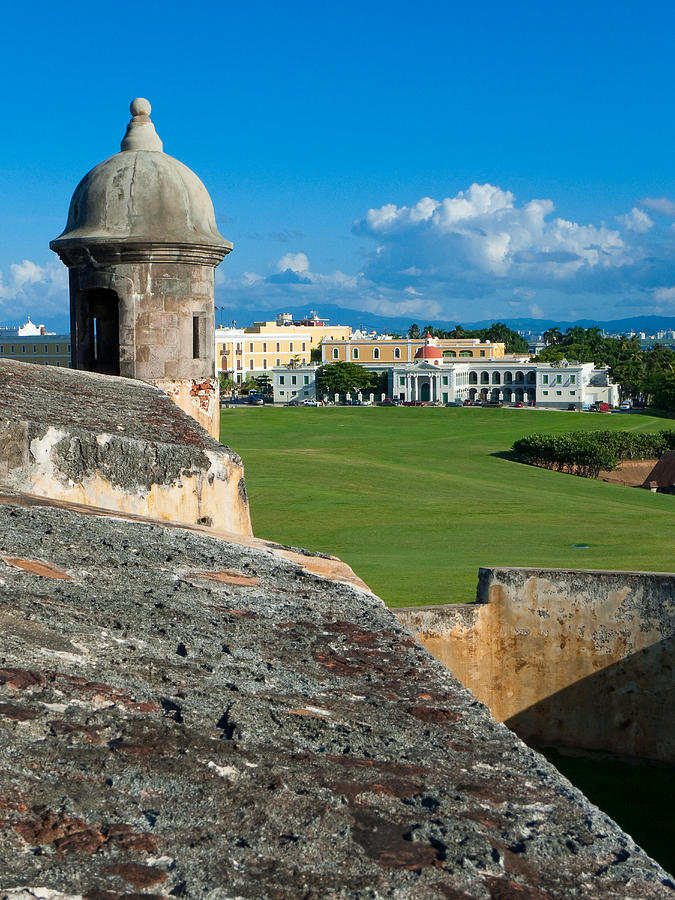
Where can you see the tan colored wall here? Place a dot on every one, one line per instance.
(566, 658)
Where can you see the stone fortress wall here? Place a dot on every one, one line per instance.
(565, 658)
(210, 713)
(114, 443)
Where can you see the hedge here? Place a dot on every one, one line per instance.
(587, 453)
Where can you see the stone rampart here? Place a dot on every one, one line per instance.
(566, 658)
(187, 716)
(114, 443)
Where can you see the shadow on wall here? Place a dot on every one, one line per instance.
(627, 707)
(567, 658)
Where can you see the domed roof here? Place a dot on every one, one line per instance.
(428, 351)
(142, 196)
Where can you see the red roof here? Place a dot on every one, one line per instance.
(428, 352)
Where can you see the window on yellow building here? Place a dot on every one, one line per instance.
(376, 352)
(277, 349)
(264, 363)
(290, 346)
(250, 348)
(304, 346)
(264, 346)
(355, 353)
(336, 353)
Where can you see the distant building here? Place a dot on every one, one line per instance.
(294, 384)
(32, 343)
(556, 385)
(434, 379)
(246, 352)
(387, 349)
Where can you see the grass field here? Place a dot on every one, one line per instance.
(415, 499)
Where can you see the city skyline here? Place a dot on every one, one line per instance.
(441, 164)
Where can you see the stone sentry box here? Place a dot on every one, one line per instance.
(141, 244)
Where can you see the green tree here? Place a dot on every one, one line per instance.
(227, 383)
(414, 331)
(346, 378)
(264, 384)
(630, 374)
(247, 386)
(552, 335)
(501, 333)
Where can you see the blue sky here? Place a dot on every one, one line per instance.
(432, 159)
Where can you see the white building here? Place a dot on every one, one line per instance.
(428, 380)
(557, 385)
(298, 383)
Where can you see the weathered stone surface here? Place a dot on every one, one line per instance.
(262, 733)
(114, 443)
(547, 649)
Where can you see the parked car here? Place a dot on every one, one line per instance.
(626, 406)
(493, 403)
(518, 404)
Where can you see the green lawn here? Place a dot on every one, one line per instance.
(415, 499)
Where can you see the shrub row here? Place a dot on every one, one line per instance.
(587, 452)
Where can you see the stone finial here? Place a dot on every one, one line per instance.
(141, 134)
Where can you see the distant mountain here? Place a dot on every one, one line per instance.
(338, 315)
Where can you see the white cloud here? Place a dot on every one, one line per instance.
(660, 204)
(249, 278)
(31, 289)
(636, 220)
(482, 231)
(295, 262)
(665, 294)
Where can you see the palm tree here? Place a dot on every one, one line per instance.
(552, 335)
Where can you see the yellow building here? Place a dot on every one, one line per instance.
(385, 349)
(251, 351)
